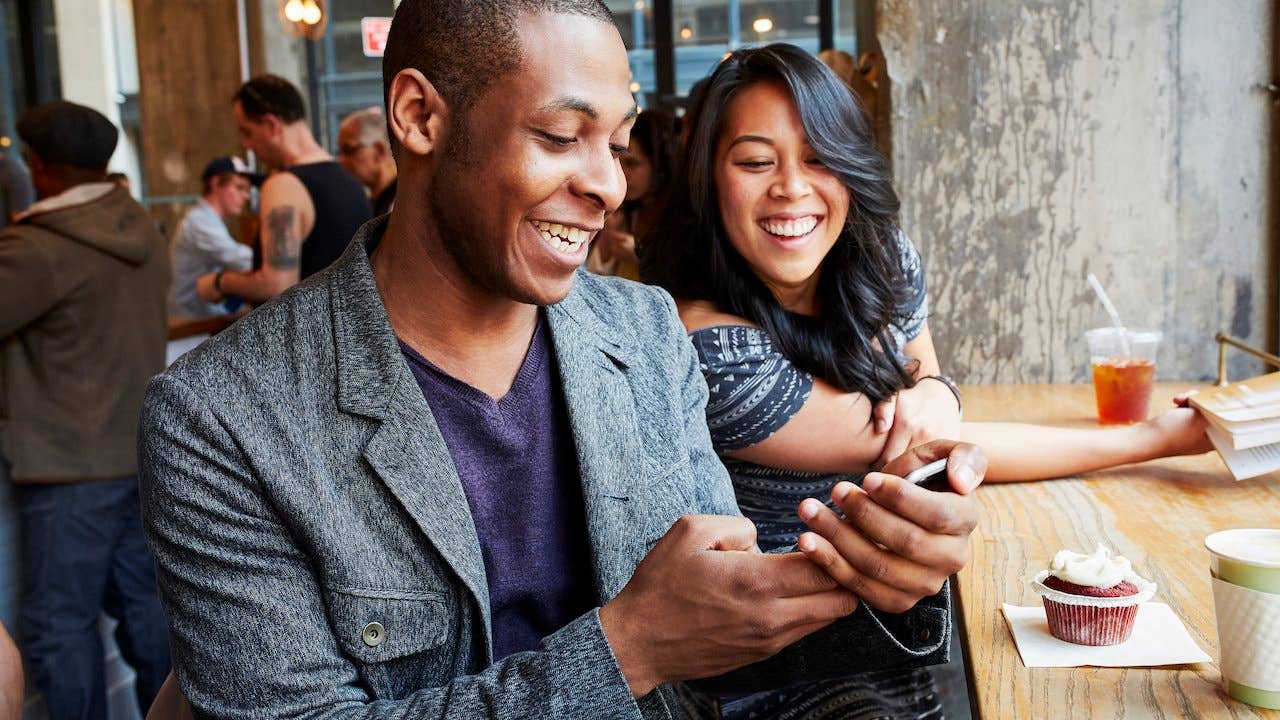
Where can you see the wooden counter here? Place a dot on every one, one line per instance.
(1157, 514)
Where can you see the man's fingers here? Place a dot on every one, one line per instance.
(788, 575)
(966, 467)
(918, 457)
(817, 609)
(886, 500)
(874, 592)
(875, 570)
(715, 532)
(966, 463)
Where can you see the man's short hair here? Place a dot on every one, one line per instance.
(64, 133)
(270, 95)
(463, 46)
(370, 125)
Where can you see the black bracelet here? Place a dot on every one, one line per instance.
(217, 282)
(950, 386)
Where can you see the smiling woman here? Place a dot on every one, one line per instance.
(807, 307)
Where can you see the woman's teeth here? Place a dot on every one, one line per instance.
(797, 227)
(562, 237)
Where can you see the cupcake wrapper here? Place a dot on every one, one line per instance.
(1087, 625)
(1085, 620)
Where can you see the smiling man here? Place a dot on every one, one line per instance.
(454, 476)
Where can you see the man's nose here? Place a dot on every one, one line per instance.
(601, 179)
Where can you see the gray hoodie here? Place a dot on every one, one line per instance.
(83, 279)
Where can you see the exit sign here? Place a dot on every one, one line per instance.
(373, 35)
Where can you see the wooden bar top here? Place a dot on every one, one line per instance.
(1157, 514)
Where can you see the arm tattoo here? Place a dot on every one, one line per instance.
(286, 246)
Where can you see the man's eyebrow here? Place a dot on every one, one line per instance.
(751, 138)
(573, 104)
(579, 105)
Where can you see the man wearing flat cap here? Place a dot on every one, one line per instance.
(83, 279)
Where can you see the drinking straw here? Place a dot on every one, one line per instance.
(1111, 310)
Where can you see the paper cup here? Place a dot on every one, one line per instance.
(1245, 565)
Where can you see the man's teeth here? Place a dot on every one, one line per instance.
(797, 227)
(562, 237)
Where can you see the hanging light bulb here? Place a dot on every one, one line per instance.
(293, 10)
(311, 13)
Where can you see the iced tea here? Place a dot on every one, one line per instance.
(1123, 389)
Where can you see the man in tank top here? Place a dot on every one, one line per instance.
(308, 210)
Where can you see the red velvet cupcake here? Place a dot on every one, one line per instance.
(1091, 599)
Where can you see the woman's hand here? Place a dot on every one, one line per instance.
(913, 417)
(616, 245)
(1180, 431)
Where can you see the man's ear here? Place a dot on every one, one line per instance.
(416, 113)
(273, 123)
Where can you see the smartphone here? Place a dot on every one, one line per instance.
(931, 477)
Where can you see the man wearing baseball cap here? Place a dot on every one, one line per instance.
(83, 279)
(202, 244)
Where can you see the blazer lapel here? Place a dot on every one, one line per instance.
(593, 360)
(407, 452)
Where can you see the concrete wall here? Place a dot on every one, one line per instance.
(1035, 142)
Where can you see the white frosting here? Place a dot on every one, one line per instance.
(1100, 569)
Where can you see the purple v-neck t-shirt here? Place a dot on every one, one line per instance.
(516, 460)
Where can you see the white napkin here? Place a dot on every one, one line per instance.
(1159, 638)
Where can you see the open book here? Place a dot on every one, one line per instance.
(1244, 424)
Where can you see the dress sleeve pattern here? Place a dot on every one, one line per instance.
(914, 310)
(754, 390)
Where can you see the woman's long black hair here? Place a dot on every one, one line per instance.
(862, 285)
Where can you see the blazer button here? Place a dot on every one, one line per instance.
(374, 634)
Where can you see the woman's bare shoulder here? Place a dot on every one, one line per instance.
(699, 314)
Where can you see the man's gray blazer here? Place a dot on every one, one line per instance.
(315, 549)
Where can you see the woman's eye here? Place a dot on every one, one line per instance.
(754, 164)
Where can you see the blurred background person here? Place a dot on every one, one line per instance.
(857, 75)
(648, 166)
(83, 280)
(202, 243)
(11, 684)
(364, 151)
(120, 179)
(16, 190)
(308, 211)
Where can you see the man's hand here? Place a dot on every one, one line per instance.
(206, 290)
(897, 543)
(706, 601)
(914, 417)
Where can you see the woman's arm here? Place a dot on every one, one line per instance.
(1037, 452)
(831, 432)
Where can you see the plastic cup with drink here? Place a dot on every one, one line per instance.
(1124, 369)
(1124, 365)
